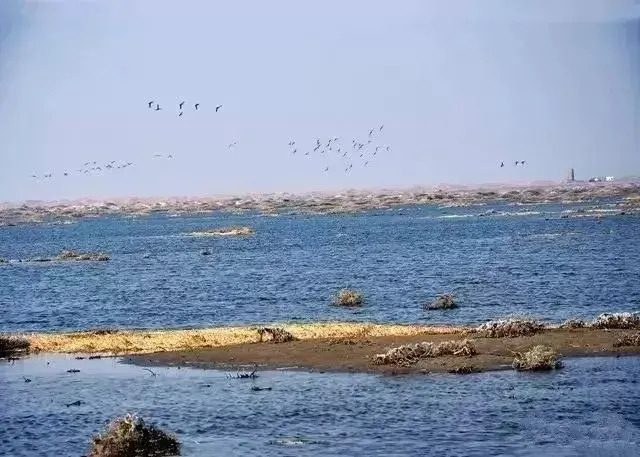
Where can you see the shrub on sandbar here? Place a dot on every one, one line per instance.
(12, 344)
(573, 324)
(617, 320)
(409, 354)
(348, 297)
(129, 436)
(538, 358)
(276, 334)
(628, 340)
(510, 327)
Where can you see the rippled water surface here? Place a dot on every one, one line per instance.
(589, 408)
(498, 259)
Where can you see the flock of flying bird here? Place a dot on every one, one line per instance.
(363, 150)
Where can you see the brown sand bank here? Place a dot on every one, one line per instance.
(356, 353)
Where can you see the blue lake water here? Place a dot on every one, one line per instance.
(589, 408)
(498, 259)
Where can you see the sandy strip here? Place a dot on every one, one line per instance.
(118, 342)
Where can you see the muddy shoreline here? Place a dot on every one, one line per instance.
(355, 354)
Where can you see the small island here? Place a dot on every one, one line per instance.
(224, 231)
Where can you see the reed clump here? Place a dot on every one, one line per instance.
(509, 327)
(348, 297)
(573, 324)
(130, 436)
(538, 358)
(617, 321)
(13, 344)
(275, 335)
(410, 354)
(628, 340)
(442, 301)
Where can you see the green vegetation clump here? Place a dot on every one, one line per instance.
(13, 344)
(442, 301)
(409, 354)
(510, 327)
(617, 320)
(275, 335)
(129, 436)
(538, 358)
(348, 297)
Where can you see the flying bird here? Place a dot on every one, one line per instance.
(150, 103)
(180, 105)
(522, 162)
(517, 162)
(196, 106)
(217, 108)
(180, 115)
(294, 151)
(501, 164)
(326, 169)
(371, 132)
(381, 127)
(158, 108)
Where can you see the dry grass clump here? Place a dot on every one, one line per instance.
(573, 324)
(442, 301)
(409, 354)
(235, 230)
(147, 341)
(628, 340)
(12, 344)
(69, 255)
(348, 297)
(510, 327)
(617, 320)
(538, 358)
(129, 436)
(275, 335)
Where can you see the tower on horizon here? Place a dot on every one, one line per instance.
(569, 175)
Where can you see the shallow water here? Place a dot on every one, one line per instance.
(499, 259)
(589, 408)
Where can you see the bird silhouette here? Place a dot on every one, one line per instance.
(180, 105)
(501, 164)
(365, 164)
(326, 169)
(158, 108)
(180, 115)
(150, 103)
(371, 132)
(196, 106)
(294, 151)
(217, 108)
(522, 162)
(381, 127)
(517, 162)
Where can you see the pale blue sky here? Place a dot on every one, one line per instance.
(459, 85)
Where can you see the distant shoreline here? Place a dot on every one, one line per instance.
(628, 194)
